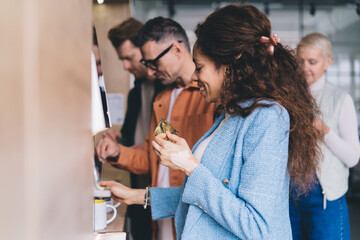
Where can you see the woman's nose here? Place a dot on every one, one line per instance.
(194, 76)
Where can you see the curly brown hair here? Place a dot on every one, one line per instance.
(230, 36)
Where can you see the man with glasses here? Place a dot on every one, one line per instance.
(152, 64)
(166, 54)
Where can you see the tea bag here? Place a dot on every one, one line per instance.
(163, 127)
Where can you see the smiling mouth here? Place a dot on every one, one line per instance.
(201, 86)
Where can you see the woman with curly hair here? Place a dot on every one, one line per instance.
(237, 184)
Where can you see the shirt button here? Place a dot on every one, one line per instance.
(226, 181)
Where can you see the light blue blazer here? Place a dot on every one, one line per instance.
(241, 188)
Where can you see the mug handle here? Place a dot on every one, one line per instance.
(117, 204)
(114, 214)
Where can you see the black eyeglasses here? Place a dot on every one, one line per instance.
(152, 64)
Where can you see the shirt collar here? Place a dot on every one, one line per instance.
(193, 84)
(318, 84)
(190, 86)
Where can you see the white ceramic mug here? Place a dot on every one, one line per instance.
(100, 221)
(111, 202)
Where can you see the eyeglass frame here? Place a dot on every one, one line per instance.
(154, 61)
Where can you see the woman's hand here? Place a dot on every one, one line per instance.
(176, 154)
(320, 125)
(123, 194)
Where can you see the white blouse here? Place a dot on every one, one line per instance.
(346, 145)
(199, 151)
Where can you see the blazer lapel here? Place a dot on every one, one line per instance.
(194, 213)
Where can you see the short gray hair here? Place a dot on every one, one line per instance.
(317, 40)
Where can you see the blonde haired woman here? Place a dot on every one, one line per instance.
(323, 213)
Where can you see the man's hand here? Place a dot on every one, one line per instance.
(123, 194)
(114, 136)
(107, 147)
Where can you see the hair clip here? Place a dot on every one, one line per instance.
(273, 40)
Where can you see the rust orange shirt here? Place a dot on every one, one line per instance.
(190, 115)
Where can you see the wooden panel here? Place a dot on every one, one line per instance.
(46, 120)
(11, 122)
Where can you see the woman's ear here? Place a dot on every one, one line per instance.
(328, 62)
(225, 70)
